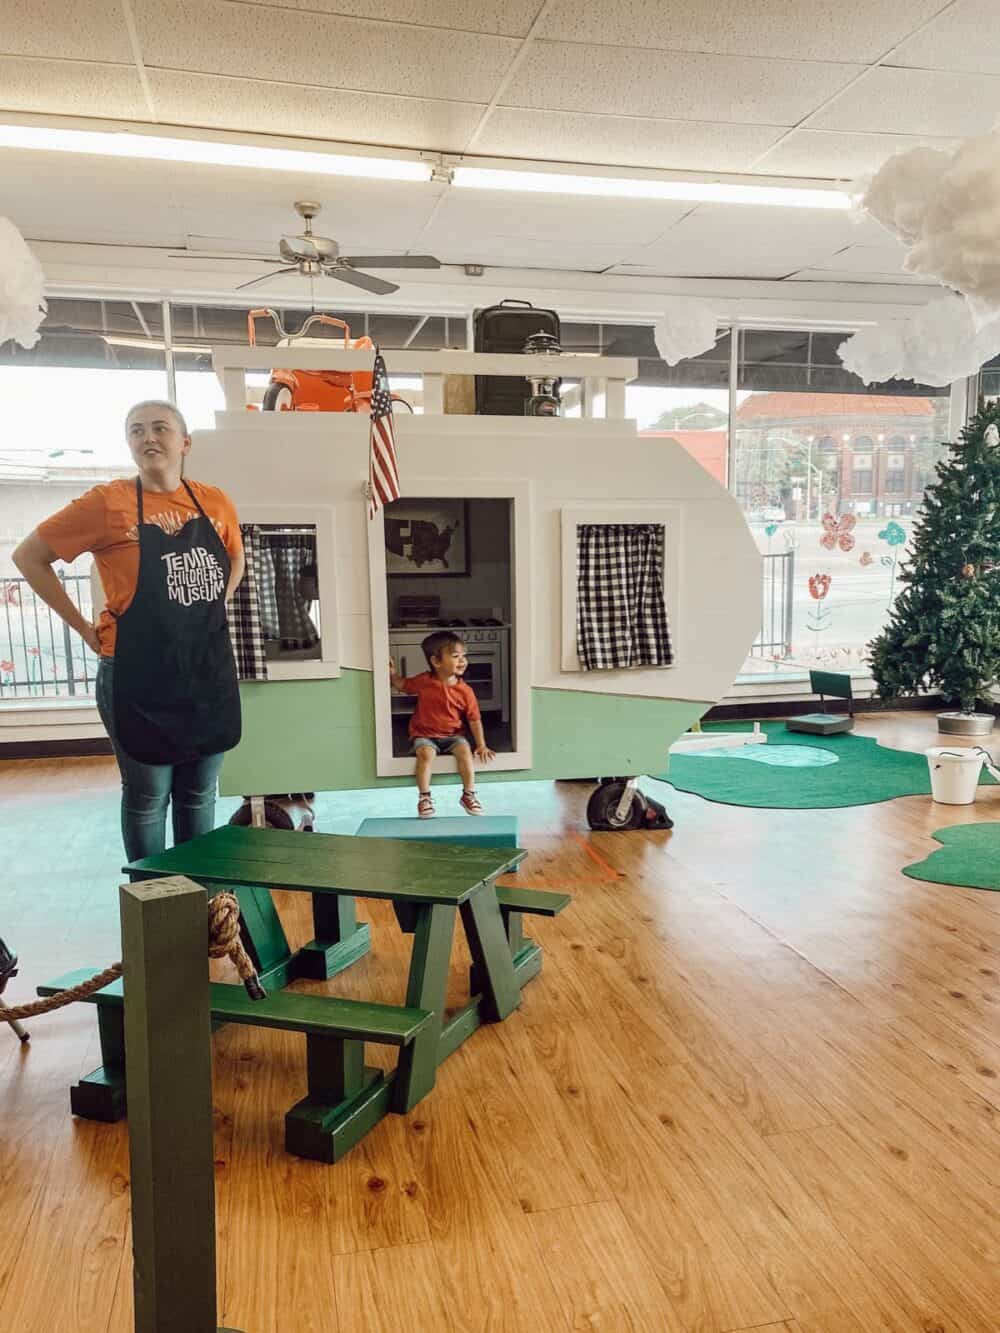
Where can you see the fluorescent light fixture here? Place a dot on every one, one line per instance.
(637, 187)
(209, 152)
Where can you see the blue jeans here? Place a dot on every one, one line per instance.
(147, 789)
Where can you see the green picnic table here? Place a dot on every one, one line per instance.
(426, 883)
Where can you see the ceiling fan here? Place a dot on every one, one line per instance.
(319, 256)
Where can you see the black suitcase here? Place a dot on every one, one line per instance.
(506, 328)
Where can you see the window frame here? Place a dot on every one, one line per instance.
(327, 666)
(671, 518)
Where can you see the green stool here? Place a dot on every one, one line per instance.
(838, 685)
(466, 830)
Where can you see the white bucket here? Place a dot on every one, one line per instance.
(954, 774)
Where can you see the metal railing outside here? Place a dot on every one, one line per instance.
(775, 638)
(40, 657)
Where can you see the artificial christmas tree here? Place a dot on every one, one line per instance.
(944, 629)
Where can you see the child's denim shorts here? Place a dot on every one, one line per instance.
(439, 744)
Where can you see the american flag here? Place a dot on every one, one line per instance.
(383, 469)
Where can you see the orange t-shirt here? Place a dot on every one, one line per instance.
(105, 521)
(442, 710)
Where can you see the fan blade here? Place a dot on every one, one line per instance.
(273, 274)
(391, 261)
(364, 280)
(214, 257)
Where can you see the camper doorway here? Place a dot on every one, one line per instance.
(447, 562)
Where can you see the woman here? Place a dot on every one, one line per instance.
(169, 555)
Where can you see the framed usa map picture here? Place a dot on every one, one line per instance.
(427, 537)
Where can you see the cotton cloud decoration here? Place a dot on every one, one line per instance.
(938, 343)
(945, 207)
(687, 329)
(22, 283)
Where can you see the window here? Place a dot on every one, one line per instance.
(862, 453)
(64, 404)
(292, 548)
(657, 598)
(989, 379)
(811, 440)
(895, 474)
(688, 403)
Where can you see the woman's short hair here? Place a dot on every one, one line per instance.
(166, 406)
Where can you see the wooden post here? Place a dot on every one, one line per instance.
(169, 1074)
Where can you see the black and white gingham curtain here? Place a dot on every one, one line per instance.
(244, 613)
(292, 556)
(621, 614)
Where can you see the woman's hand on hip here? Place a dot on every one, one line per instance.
(89, 635)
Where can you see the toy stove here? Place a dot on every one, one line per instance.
(487, 642)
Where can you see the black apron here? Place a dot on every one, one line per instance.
(176, 697)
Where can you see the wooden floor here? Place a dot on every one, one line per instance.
(755, 1087)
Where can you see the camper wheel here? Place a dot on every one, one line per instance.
(604, 809)
(292, 811)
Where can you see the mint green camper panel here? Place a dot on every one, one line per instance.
(319, 735)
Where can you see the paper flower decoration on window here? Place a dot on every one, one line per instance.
(819, 586)
(893, 534)
(7, 668)
(866, 558)
(838, 532)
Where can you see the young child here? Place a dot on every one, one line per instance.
(444, 704)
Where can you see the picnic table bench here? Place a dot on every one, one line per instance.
(345, 1099)
(428, 884)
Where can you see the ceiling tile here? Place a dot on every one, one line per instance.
(858, 30)
(957, 41)
(720, 241)
(116, 199)
(364, 216)
(826, 153)
(625, 222)
(512, 19)
(910, 101)
(87, 30)
(627, 141)
(98, 199)
(523, 252)
(628, 81)
(882, 279)
(884, 258)
(322, 113)
(291, 47)
(71, 88)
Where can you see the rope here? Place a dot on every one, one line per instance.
(45, 1006)
(223, 941)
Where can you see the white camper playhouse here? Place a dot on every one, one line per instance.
(607, 588)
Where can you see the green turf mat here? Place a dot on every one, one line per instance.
(969, 858)
(828, 771)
